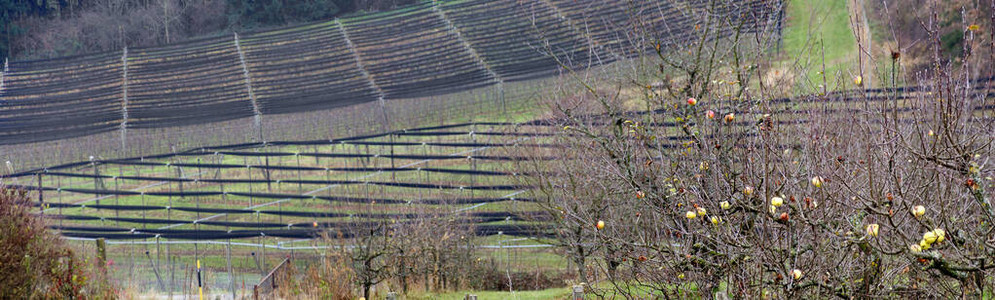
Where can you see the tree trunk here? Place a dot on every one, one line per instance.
(581, 267)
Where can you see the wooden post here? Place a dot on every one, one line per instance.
(102, 254)
(470, 297)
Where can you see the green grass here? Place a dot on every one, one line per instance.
(818, 29)
(554, 293)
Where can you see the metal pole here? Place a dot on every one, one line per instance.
(256, 111)
(155, 270)
(200, 286)
(124, 99)
(231, 278)
(3, 74)
(41, 196)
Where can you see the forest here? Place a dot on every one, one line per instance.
(34, 29)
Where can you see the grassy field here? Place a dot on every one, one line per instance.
(556, 293)
(136, 263)
(818, 32)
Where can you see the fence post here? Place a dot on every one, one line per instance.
(470, 297)
(102, 250)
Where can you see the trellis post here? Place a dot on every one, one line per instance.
(3, 74)
(41, 196)
(155, 269)
(124, 99)
(256, 112)
(583, 34)
(473, 52)
(231, 277)
(381, 98)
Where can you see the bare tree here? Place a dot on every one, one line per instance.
(713, 184)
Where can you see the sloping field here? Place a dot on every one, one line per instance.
(287, 195)
(424, 50)
(300, 189)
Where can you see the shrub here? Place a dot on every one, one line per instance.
(35, 263)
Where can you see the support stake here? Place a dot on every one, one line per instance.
(257, 113)
(3, 74)
(466, 44)
(373, 85)
(124, 100)
(41, 196)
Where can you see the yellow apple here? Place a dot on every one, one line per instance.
(725, 205)
(929, 237)
(940, 235)
(817, 181)
(872, 230)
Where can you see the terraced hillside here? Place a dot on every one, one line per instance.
(293, 189)
(288, 195)
(428, 49)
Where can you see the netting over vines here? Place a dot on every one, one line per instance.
(428, 49)
(298, 189)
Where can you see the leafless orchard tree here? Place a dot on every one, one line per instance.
(398, 252)
(713, 184)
